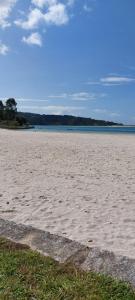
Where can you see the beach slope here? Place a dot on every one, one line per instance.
(81, 186)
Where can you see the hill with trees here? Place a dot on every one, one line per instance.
(11, 119)
(37, 119)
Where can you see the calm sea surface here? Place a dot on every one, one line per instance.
(86, 129)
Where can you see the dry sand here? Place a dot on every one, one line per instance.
(81, 186)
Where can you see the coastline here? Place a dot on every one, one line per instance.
(78, 186)
(85, 129)
(17, 127)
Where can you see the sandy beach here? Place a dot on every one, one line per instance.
(81, 186)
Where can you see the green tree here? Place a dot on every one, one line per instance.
(10, 109)
(1, 110)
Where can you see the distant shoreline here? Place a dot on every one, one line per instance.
(17, 127)
(85, 129)
(64, 120)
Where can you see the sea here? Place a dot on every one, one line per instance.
(86, 129)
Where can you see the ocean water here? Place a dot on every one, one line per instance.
(86, 129)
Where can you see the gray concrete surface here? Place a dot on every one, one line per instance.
(65, 250)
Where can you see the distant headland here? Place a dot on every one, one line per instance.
(38, 119)
(10, 118)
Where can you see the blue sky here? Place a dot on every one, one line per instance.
(69, 57)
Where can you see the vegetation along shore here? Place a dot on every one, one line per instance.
(10, 118)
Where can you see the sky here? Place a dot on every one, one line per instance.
(73, 57)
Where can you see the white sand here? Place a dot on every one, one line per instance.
(81, 186)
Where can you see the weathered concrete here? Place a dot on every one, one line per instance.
(65, 250)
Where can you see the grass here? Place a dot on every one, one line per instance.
(27, 275)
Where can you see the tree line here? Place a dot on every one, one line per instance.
(37, 119)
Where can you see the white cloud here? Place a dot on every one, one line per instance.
(59, 109)
(5, 10)
(80, 96)
(70, 2)
(89, 5)
(35, 17)
(54, 109)
(60, 96)
(56, 14)
(42, 3)
(87, 8)
(3, 49)
(118, 80)
(100, 111)
(29, 100)
(33, 39)
(90, 82)
(112, 80)
(83, 96)
(114, 114)
(39, 12)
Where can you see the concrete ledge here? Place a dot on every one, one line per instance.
(65, 250)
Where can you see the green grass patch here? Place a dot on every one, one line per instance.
(27, 275)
